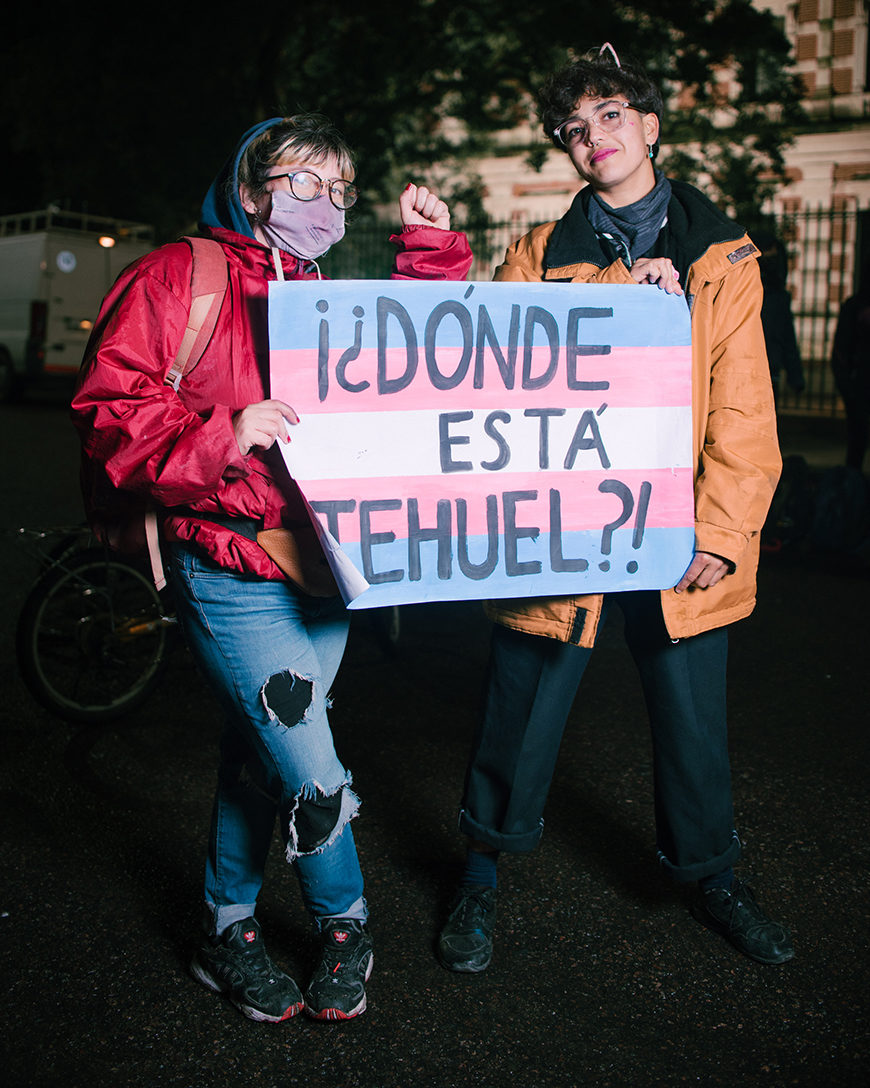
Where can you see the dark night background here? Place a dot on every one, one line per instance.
(129, 112)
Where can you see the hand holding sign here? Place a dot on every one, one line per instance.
(704, 571)
(261, 424)
(657, 270)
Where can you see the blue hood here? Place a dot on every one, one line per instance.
(222, 207)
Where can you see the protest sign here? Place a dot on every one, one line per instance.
(460, 441)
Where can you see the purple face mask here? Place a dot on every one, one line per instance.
(305, 228)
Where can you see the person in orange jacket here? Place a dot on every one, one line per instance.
(632, 225)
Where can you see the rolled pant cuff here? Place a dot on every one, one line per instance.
(219, 918)
(519, 843)
(685, 873)
(358, 911)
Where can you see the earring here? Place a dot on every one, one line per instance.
(650, 150)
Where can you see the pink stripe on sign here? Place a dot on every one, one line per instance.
(637, 377)
(583, 506)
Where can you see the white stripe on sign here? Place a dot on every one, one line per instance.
(434, 443)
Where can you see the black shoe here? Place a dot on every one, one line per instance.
(337, 990)
(237, 964)
(735, 914)
(465, 942)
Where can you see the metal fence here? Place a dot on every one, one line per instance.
(827, 247)
(823, 251)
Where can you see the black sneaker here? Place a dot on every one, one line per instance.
(337, 990)
(237, 964)
(738, 918)
(465, 942)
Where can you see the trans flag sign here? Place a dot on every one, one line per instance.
(460, 441)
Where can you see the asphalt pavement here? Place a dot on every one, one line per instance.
(600, 975)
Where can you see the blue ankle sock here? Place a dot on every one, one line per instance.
(480, 869)
(717, 880)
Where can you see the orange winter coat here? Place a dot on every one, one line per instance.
(736, 453)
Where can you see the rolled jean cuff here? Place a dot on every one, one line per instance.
(358, 911)
(518, 843)
(685, 873)
(222, 917)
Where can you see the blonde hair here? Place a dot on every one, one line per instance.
(306, 136)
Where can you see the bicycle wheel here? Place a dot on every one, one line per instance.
(92, 637)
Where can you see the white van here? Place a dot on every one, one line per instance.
(55, 268)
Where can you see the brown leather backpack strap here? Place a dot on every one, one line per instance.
(152, 539)
(208, 286)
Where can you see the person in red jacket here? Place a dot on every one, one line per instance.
(205, 455)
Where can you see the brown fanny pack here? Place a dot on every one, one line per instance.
(299, 555)
(297, 552)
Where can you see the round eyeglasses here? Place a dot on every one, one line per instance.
(607, 116)
(306, 185)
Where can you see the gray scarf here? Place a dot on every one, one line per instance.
(636, 225)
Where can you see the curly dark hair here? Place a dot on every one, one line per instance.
(599, 75)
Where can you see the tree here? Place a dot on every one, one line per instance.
(135, 120)
(737, 110)
(451, 76)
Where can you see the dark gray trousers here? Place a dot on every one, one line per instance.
(531, 687)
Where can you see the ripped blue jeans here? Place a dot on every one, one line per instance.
(270, 654)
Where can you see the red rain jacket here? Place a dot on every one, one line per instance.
(180, 449)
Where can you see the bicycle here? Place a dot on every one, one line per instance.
(93, 635)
